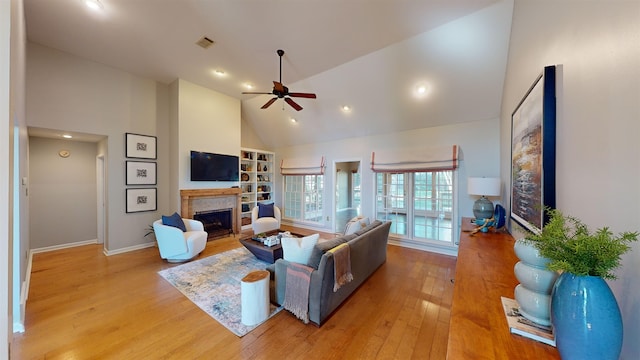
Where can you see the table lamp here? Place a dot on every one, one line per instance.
(483, 186)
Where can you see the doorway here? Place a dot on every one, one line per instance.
(347, 193)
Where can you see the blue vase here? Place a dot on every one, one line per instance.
(586, 318)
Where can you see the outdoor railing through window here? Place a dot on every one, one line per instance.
(420, 204)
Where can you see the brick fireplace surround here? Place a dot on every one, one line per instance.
(195, 200)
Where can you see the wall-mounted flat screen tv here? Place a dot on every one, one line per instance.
(214, 167)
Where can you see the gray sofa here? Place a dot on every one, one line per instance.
(368, 248)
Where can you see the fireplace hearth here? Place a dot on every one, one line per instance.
(217, 223)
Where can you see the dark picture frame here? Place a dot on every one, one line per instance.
(139, 146)
(533, 153)
(140, 200)
(141, 172)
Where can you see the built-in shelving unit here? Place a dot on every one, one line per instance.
(256, 180)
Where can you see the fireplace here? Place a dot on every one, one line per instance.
(216, 223)
(195, 201)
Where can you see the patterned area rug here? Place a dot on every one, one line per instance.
(213, 283)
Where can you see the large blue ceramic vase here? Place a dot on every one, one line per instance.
(586, 318)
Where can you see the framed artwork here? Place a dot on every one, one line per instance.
(141, 173)
(533, 153)
(140, 146)
(139, 200)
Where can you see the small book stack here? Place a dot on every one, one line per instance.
(520, 325)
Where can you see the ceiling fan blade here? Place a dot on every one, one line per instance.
(269, 103)
(293, 104)
(278, 86)
(256, 93)
(303, 95)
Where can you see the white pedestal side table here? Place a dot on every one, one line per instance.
(255, 297)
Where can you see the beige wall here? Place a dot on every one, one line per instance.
(62, 192)
(207, 121)
(479, 151)
(598, 163)
(69, 93)
(250, 139)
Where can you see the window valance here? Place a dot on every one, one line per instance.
(303, 166)
(415, 159)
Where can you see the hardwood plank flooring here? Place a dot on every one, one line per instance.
(85, 305)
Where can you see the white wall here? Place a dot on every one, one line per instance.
(62, 192)
(479, 151)
(598, 163)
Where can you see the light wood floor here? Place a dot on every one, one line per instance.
(84, 305)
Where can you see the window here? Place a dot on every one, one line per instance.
(303, 197)
(357, 196)
(419, 204)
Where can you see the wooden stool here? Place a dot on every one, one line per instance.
(255, 297)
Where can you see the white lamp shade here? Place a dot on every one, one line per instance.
(483, 186)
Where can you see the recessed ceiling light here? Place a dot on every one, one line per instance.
(248, 86)
(219, 72)
(422, 90)
(293, 120)
(345, 108)
(67, 136)
(94, 4)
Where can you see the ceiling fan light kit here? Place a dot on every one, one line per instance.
(282, 92)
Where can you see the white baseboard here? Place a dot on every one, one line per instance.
(443, 250)
(64, 246)
(130, 248)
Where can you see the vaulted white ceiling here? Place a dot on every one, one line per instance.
(369, 55)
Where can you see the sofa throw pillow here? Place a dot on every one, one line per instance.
(265, 210)
(174, 220)
(367, 228)
(298, 250)
(355, 224)
(324, 246)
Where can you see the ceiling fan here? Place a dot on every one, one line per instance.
(282, 92)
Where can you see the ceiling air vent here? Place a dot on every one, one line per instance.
(204, 42)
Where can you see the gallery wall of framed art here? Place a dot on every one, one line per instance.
(141, 173)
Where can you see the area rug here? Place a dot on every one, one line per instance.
(213, 283)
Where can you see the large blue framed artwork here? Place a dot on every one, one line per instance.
(533, 153)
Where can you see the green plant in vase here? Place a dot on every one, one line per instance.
(571, 247)
(584, 312)
(149, 231)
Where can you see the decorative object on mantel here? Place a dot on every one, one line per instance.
(584, 312)
(483, 186)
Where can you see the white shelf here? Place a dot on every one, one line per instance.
(256, 180)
